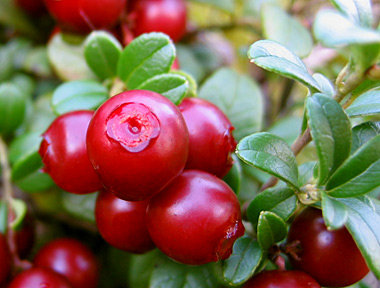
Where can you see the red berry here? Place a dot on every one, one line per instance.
(331, 257)
(25, 237)
(210, 135)
(137, 142)
(39, 278)
(32, 7)
(196, 219)
(63, 151)
(122, 223)
(282, 279)
(5, 259)
(86, 15)
(71, 259)
(167, 16)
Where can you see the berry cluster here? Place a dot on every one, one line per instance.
(135, 147)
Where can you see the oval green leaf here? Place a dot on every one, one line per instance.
(234, 176)
(270, 229)
(271, 154)
(78, 95)
(102, 52)
(145, 57)
(334, 212)
(331, 133)
(172, 86)
(366, 104)
(360, 11)
(274, 57)
(362, 133)
(239, 97)
(19, 208)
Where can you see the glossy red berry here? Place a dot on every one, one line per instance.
(137, 142)
(122, 223)
(63, 151)
(330, 257)
(196, 219)
(71, 259)
(5, 259)
(32, 7)
(210, 135)
(39, 278)
(282, 279)
(167, 16)
(85, 15)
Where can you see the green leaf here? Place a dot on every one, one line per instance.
(270, 229)
(366, 104)
(359, 11)
(145, 57)
(364, 225)
(226, 5)
(36, 181)
(37, 62)
(19, 208)
(80, 206)
(274, 57)
(169, 274)
(42, 115)
(288, 128)
(359, 174)
(331, 133)
(280, 200)
(6, 63)
(271, 154)
(141, 267)
(25, 83)
(234, 176)
(172, 86)
(102, 52)
(193, 87)
(334, 212)
(67, 59)
(243, 262)
(362, 133)
(78, 95)
(326, 86)
(239, 97)
(344, 33)
(12, 108)
(306, 171)
(286, 30)
(3, 217)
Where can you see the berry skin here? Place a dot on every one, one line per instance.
(210, 135)
(5, 259)
(167, 16)
(122, 223)
(63, 151)
(282, 279)
(39, 278)
(330, 257)
(196, 219)
(71, 259)
(85, 15)
(137, 142)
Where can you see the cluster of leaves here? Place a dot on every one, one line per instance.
(342, 175)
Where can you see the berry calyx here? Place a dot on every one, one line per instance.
(122, 223)
(38, 277)
(71, 259)
(329, 256)
(196, 219)
(64, 153)
(282, 279)
(137, 142)
(167, 16)
(85, 15)
(210, 134)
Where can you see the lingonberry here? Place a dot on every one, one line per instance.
(210, 134)
(330, 257)
(137, 141)
(282, 279)
(5, 259)
(39, 278)
(196, 219)
(63, 151)
(122, 223)
(85, 15)
(167, 16)
(71, 259)
(32, 7)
